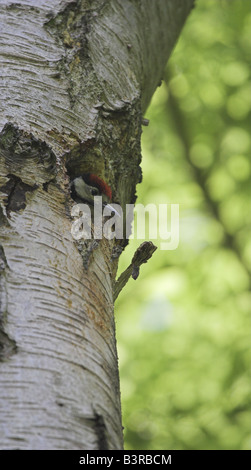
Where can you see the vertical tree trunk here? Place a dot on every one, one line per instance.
(76, 78)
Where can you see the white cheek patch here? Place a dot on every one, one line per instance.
(80, 188)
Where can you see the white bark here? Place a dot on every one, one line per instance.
(75, 79)
(59, 340)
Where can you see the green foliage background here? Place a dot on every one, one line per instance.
(183, 327)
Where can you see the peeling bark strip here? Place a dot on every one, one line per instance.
(77, 77)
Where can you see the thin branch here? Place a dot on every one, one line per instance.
(143, 253)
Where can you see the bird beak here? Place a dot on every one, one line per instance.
(111, 209)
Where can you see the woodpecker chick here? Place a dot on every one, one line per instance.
(85, 188)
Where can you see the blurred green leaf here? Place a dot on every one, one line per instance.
(183, 327)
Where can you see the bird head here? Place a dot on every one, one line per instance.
(84, 188)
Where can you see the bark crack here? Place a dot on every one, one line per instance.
(19, 151)
(15, 190)
(8, 346)
(101, 431)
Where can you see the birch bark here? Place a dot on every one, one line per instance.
(76, 78)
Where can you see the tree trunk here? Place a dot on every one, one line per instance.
(76, 78)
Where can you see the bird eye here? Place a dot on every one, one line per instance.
(94, 191)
